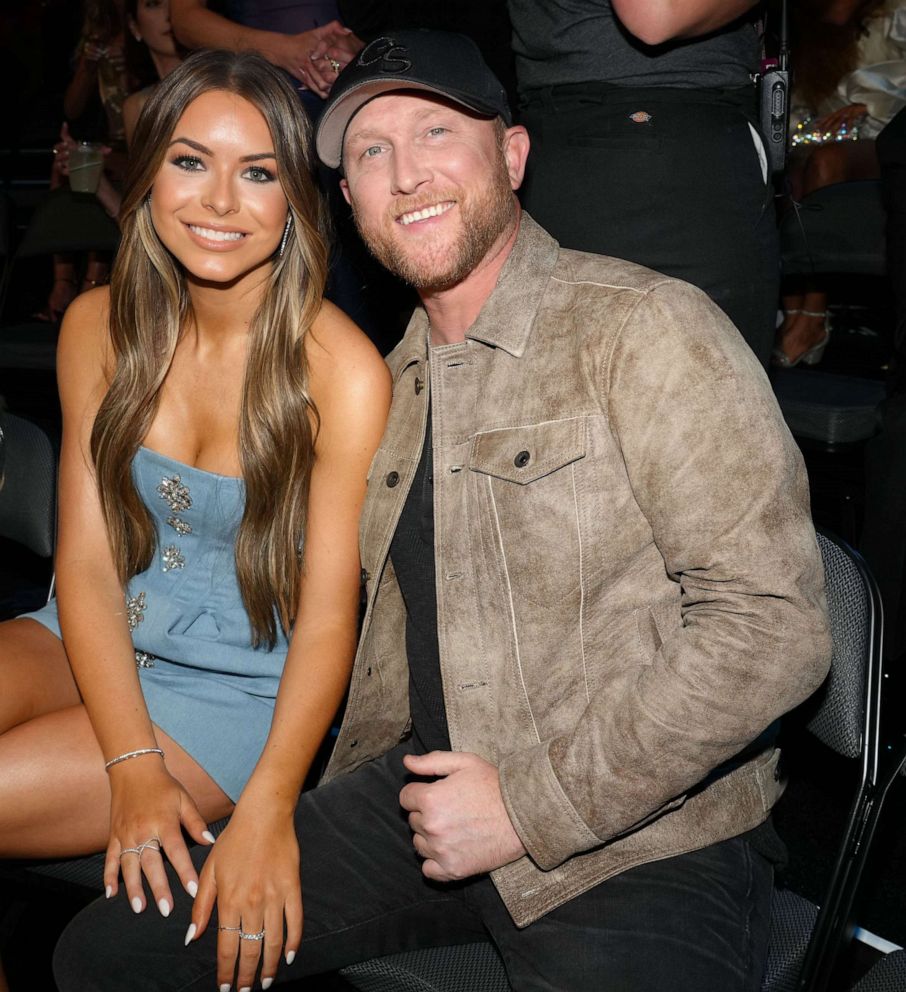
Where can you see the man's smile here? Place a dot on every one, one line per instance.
(435, 210)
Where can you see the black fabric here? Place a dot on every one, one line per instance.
(574, 41)
(412, 554)
(669, 179)
(884, 536)
(695, 922)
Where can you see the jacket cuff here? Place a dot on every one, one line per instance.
(547, 823)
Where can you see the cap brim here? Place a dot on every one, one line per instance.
(334, 121)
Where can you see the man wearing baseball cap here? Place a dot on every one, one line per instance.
(592, 586)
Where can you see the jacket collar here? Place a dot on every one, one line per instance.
(508, 315)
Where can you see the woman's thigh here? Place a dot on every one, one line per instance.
(34, 672)
(54, 791)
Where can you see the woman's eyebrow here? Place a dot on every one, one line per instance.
(256, 156)
(192, 144)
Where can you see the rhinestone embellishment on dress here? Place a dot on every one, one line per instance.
(172, 557)
(135, 610)
(175, 493)
(182, 527)
(144, 660)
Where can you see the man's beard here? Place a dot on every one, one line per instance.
(433, 268)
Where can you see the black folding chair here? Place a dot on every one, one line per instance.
(804, 940)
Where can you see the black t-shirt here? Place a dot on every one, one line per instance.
(412, 554)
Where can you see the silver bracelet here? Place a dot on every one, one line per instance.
(132, 754)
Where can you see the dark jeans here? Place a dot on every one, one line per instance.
(698, 922)
(680, 192)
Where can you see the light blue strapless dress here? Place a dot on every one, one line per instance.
(204, 684)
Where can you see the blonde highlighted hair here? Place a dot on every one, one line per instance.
(150, 308)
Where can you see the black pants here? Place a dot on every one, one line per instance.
(666, 178)
(694, 923)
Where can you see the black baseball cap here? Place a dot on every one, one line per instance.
(440, 62)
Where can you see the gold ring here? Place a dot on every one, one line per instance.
(336, 66)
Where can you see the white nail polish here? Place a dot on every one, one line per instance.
(246, 988)
(190, 934)
(192, 888)
(290, 957)
(164, 907)
(108, 892)
(136, 905)
(210, 838)
(225, 988)
(266, 983)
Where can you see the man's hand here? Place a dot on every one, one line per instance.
(459, 823)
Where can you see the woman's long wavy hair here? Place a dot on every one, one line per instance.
(149, 310)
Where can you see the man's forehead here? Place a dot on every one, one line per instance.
(410, 105)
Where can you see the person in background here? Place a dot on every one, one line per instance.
(592, 586)
(302, 37)
(100, 73)
(150, 49)
(646, 146)
(219, 418)
(849, 79)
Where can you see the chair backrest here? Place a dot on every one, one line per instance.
(846, 718)
(28, 500)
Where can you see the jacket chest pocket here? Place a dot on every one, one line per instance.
(530, 505)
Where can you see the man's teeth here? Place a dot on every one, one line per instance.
(206, 232)
(435, 211)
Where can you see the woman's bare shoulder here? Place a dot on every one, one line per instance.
(341, 356)
(83, 350)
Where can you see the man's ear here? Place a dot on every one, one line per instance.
(516, 145)
(344, 186)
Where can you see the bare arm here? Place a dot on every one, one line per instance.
(83, 85)
(197, 27)
(146, 800)
(657, 21)
(253, 872)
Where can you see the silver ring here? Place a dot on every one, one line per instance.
(152, 843)
(251, 936)
(336, 66)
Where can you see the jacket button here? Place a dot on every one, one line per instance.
(393, 479)
(522, 459)
(364, 576)
(419, 385)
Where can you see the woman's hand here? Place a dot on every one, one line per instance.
(148, 810)
(850, 115)
(310, 56)
(253, 876)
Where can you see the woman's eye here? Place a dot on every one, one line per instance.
(258, 174)
(190, 163)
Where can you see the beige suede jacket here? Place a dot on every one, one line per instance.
(629, 588)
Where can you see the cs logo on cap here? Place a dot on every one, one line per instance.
(388, 53)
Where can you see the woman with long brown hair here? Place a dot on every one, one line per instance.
(219, 421)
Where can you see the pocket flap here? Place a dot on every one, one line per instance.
(524, 454)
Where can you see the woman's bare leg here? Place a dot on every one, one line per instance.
(825, 166)
(54, 792)
(34, 673)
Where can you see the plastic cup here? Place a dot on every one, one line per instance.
(86, 162)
